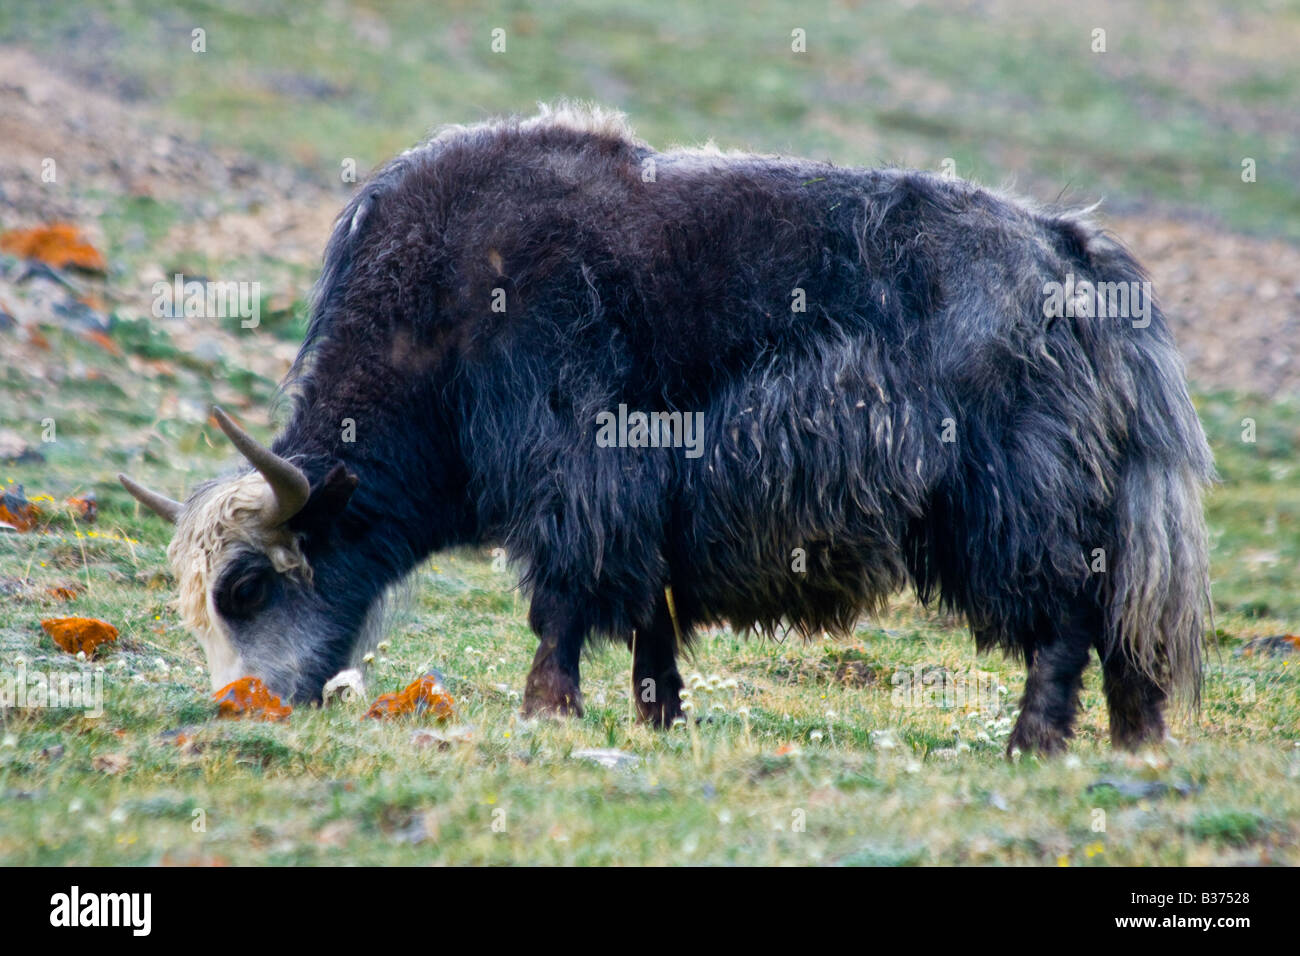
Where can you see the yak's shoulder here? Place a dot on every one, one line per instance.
(568, 145)
(459, 164)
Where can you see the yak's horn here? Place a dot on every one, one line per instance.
(287, 481)
(160, 505)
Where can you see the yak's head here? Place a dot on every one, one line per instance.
(264, 583)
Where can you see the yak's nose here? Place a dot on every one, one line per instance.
(304, 694)
(304, 689)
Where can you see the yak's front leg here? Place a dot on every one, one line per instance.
(656, 683)
(553, 681)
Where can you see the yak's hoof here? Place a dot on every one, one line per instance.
(1033, 734)
(666, 703)
(555, 697)
(550, 688)
(1128, 737)
(661, 714)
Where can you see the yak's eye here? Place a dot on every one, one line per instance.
(250, 591)
(246, 593)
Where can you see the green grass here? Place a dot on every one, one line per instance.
(808, 757)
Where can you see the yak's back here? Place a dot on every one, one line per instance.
(563, 241)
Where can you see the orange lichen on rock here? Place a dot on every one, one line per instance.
(426, 695)
(17, 512)
(249, 697)
(85, 508)
(1276, 646)
(79, 634)
(59, 244)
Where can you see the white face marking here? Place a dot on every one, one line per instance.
(224, 663)
(214, 525)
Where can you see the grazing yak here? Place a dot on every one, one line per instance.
(688, 387)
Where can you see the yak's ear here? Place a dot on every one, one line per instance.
(327, 501)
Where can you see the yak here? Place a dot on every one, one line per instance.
(696, 387)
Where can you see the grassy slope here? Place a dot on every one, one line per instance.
(1183, 92)
(876, 782)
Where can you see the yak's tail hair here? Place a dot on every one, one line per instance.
(1161, 576)
(1159, 594)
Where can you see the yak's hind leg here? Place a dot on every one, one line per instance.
(655, 681)
(1056, 656)
(553, 682)
(1136, 702)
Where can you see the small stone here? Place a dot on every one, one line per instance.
(608, 757)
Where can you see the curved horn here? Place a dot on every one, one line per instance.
(160, 505)
(288, 483)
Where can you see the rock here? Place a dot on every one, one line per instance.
(249, 698)
(14, 449)
(111, 764)
(607, 757)
(1280, 645)
(1132, 789)
(208, 350)
(79, 635)
(425, 697)
(442, 739)
(182, 737)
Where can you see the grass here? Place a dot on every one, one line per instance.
(809, 754)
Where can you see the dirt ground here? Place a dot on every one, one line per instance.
(1233, 300)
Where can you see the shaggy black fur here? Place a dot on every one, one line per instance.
(824, 429)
